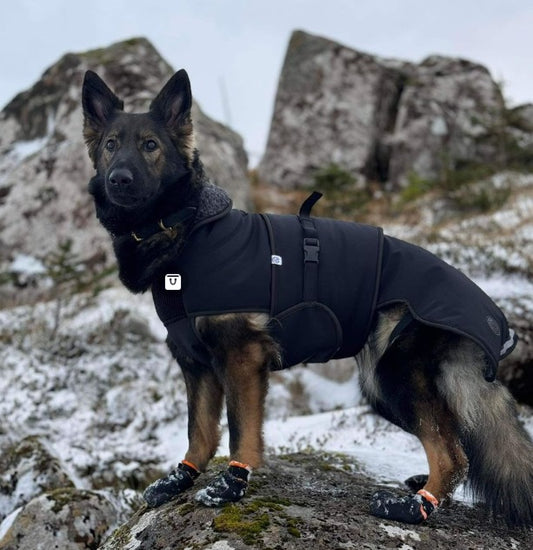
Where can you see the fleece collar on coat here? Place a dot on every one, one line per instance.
(213, 203)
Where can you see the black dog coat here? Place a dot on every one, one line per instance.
(320, 281)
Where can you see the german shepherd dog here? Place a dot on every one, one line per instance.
(430, 382)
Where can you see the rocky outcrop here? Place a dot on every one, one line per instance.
(332, 103)
(69, 519)
(300, 500)
(379, 119)
(352, 124)
(41, 508)
(293, 499)
(44, 167)
(27, 469)
(449, 116)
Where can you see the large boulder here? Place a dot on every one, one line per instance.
(44, 167)
(331, 105)
(380, 119)
(449, 117)
(301, 500)
(28, 469)
(69, 519)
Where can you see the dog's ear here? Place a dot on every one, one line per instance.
(173, 103)
(99, 102)
(99, 105)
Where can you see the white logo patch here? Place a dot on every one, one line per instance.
(276, 260)
(173, 281)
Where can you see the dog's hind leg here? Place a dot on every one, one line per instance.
(447, 461)
(204, 400)
(447, 468)
(245, 353)
(403, 387)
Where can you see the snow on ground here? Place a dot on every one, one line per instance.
(108, 400)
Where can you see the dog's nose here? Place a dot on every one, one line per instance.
(121, 176)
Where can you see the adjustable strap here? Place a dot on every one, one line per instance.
(309, 202)
(189, 468)
(428, 504)
(311, 246)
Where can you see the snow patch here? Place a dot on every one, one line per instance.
(504, 287)
(27, 265)
(394, 531)
(219, 545)
(24, 149)
(8, 522)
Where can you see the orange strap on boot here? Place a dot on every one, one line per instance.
(240, 465)
(191, 465)
(431, 499)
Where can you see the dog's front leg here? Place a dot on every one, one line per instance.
(204, 401)
(244, 353)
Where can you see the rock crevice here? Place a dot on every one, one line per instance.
(382, 120)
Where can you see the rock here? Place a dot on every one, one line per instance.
(224, 158)
(381, 120)
(44, 167)
(67, 519)
(27, 469)
(520, 136)
(448, 119)
(304, 499)
(332, 103)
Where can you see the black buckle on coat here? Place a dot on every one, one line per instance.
(311, 249)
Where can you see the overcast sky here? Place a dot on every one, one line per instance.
(239, 45)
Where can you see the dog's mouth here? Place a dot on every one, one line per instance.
(126, 199)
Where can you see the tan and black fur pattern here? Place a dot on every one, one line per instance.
(428, 382)
(431, 384)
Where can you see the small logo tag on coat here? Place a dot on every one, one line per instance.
(173, 282)
(493, 324)
(276, 260)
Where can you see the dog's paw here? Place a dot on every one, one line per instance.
(410, 509)
(165, 489)
(228, 486)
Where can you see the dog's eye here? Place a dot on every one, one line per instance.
(110, 145)
(150, 145)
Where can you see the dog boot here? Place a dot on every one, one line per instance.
(229, 486)
(165, 489)
(415, 483)
(410, 509)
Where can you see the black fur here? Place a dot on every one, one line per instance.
(157, 189)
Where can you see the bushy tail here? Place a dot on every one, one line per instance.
(498, 448)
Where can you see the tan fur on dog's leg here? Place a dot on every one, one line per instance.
(246, 385)
(446, 459)
(244, 353)
(204, 397)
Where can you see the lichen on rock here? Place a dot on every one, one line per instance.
(66, 518)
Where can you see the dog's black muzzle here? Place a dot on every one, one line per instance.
(120, 177)
(123, 187)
